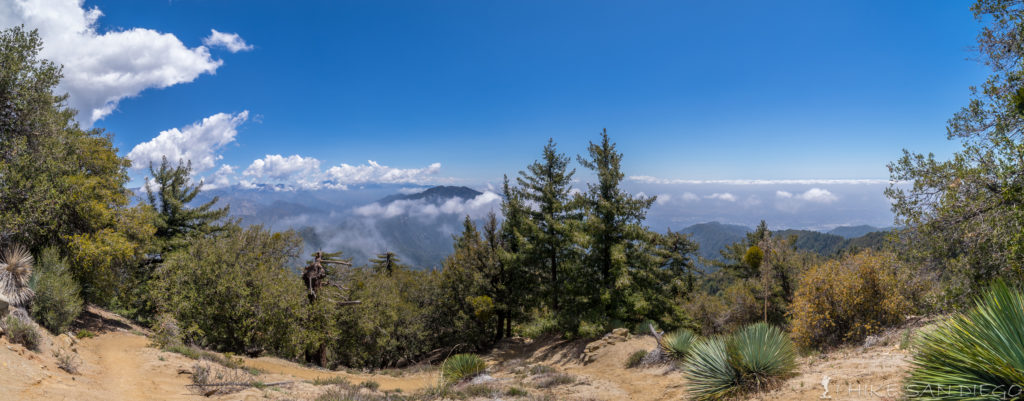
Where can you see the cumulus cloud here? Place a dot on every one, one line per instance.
(295, 172)
(279, 167)
(475, 208)
(644, 179)
(199, 142)
(230, 41)
(102, 69)
(345, 174)
(690, 197)
(220, 178)
(725, 196)
(818, 195)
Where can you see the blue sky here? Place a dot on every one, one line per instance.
(689, 90)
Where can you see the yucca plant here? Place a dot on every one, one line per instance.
(677, 344)
(460, 367)
(762, 354)
(15, 271)
(755, 358)
(977, 355)
(710, 375)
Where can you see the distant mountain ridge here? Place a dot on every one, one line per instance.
(436, 194)
(715, 236)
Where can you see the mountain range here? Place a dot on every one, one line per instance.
(417, 223)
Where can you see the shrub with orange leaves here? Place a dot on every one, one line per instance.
(849, 299)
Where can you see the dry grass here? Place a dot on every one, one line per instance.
(67, 361)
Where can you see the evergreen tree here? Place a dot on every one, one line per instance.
(677, 250)
(614, 226)
(386, 263)
(176, 221)
(553, 217)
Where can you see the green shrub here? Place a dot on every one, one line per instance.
(544, 324)
(22, 332)
(677, 344)
(58, 298)
(460, 367)
(516, 392)
(635, 358)
(370, 384)
(755, 358)
(980, 350)
(84, 333)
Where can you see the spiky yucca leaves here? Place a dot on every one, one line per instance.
(762, 354)
(677, 344)
(15, 270)
(755, 358)
(710, 375)
(975, 355)
(460, 367)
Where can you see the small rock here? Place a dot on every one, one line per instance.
(620, 332)
(481, 379)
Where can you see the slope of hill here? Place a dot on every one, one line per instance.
(715, 236)
(853, 231)
(437, 194)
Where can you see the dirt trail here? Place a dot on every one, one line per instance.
(129, 368)
(407, 383)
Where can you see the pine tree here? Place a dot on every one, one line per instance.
(551, 252)
(386, 263)
(176, 221)
(614, 225)
(677, 250)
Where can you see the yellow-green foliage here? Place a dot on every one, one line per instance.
(461, 367)
(849, 299)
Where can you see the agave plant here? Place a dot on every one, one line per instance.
(975, 355)
(15, 270)
(460, 367)
(677, 344)
(752, 359)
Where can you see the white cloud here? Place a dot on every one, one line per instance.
(666, 181)
(690, 197)
(475, 208)
(230, 41)
(818, 195)
(345, 174)
(279, 167)
(663, 199)
(723, 196)
(295, 171)
(783, 194)
(220, 178)
(102, 69)
(198, 142)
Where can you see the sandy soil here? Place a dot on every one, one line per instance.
(119, 364)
